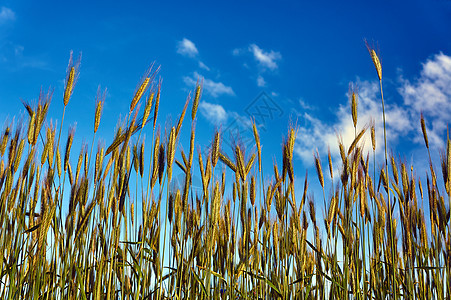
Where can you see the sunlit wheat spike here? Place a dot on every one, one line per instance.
(252, 190)
(227, 161)
(257, 142)
(135, 158)
(157, 103)
(331, 210)
(249, 165)
(356, 140)
(46, 149)
(85, 219)
(394, 169)
(216, 205)
(69, 171)
(376, 60)
(275, 234)
(5, 138)
(170, 152)
(30, 131)
(329, 157)
(354, 103)
(215, 149)
(58, 162)
(139, 92)
(120, 137)
(71, 77)
(319, 169)
(312, 213)
(182, 116)
(51, 138)
(70, 139)
(196, 100)
(155, 158)
(423, 129)
(46, 221)
(100, 100)
(99, 162)
(373, 135)
(69, 86)
(19, 155)
(147, 108)
(240, 162)
(191, 147)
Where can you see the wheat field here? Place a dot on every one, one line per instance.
(108, 223)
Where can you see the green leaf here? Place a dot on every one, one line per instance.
(80, 282)
(200, 281)
(267, 281)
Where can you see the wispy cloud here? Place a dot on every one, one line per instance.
(187, 48)
(214, 113)
(261, 81)
(430, 93)
(237, 51)
(215, 89)
(264, 58)
(304, 105)
(13, 57)
(203, 66)
(6, 15)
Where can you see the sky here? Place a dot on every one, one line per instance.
(284, 63)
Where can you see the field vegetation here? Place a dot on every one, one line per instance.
(107, 222)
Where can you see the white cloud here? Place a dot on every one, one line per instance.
(430, 93)
(215, 89)
(6, 14)
(305, 105)
(314, 134)
(261, 81)
(214, 113)
(187, 48)
(265, 59)
(203, 66)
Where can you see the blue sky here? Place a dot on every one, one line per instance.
(295, 58)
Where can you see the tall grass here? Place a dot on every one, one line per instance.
(130, 232)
